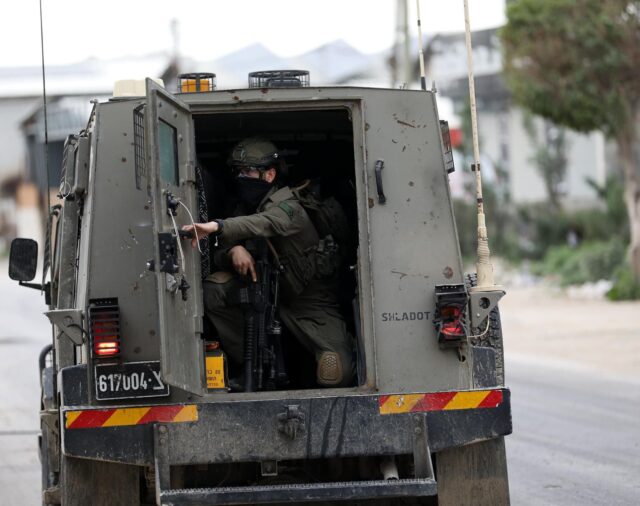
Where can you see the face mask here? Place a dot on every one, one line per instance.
(251, 191)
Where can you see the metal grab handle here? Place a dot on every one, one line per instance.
(379, 166)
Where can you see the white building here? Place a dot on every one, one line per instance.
(503, 136)
(22, 158)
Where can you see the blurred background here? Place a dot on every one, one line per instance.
(558, 105)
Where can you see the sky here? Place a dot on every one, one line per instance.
(75, 30)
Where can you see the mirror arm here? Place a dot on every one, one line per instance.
(37, 286)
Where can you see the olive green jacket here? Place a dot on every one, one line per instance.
(283, 220)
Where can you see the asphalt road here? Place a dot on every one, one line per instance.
(23, 333)
(576, 437)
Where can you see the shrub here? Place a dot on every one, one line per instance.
(542, 228)
(537, 232)
(589, 262)
(625, 286)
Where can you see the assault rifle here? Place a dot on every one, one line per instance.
(263, 361)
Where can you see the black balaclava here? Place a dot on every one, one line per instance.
(251, 191)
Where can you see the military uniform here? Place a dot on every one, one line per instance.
(308, 305)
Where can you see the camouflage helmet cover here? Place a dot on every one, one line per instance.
(255, 152)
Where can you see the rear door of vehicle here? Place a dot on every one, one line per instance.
(413, 241)
(170, 155)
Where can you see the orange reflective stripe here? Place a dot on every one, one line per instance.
(71, 417)
(89, 418)
(466, 400)
(399, 403)
(118, 417)
(439, 401)
(130, 416)
(187, 414)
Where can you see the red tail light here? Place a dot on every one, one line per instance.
(104, 321)
(452, 326)
(451, 304)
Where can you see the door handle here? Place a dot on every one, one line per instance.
(379, 166)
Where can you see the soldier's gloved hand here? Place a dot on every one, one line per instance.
(202, 230)
(243, 262)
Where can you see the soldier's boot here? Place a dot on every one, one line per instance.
(330, 371)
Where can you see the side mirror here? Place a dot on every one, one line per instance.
(23, 259)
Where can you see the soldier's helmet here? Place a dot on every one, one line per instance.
(256, 153)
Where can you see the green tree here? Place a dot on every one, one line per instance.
(549, 157)
(577, 63)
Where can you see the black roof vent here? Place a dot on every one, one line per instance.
(279, 79)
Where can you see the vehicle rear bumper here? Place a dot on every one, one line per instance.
(290, 429)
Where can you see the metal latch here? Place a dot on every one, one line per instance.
(168, 253)
(291, 421)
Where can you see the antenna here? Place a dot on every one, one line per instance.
(423, 78)
(44, 99)
(47, 252)
(484, 268)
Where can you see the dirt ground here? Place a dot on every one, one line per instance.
(547, 324)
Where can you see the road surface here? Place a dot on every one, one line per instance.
(575, 396)
(23, 333)
(576, 436)
(573, 366)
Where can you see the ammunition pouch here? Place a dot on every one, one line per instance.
(317, 262)
(328, 258)
(298, 271)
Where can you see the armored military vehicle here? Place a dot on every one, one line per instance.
(136, 405)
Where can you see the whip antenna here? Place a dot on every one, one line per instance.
(44, 99)
(423, 78)
(47, 252)
(484, 268)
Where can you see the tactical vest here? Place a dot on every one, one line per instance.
(323, 259)
(326, 214)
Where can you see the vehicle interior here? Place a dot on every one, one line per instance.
(318, 149)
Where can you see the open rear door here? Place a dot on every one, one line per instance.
(172, 186)
(413, 241)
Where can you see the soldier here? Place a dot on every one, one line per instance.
(308, 306)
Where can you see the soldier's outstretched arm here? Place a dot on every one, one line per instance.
(286, 218)
(200, 230)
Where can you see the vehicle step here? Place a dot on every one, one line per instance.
(262, 494)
